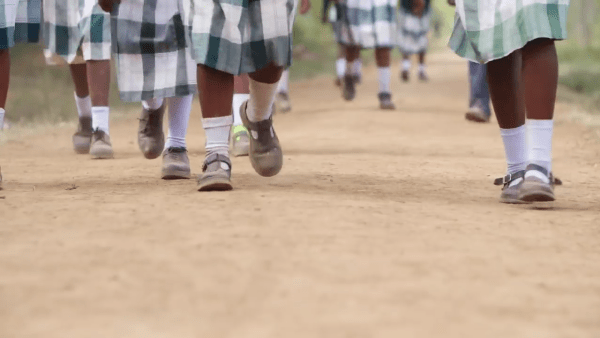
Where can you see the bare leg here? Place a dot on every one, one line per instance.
(4, 76)
(540, 78)
(80, 80)
(504, 80)
(215, 92)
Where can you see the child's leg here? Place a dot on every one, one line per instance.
(83, 136)
(265, 152)
(422, 68)
(340, 64)
(4, 81)
(282, 101)
(216, 94)
(176, 164)
(99, 85)
(382, 56)
(352, 54)
(504, 79)
(540, 81)
(284, 83)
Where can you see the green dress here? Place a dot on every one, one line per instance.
(486, 30)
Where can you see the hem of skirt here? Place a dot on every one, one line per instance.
(244, 70)
(346, 44)
(473, 57)
(180, 91)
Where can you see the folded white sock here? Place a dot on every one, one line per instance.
(284, 82)
(179, 117)
(262, 96)
(539, 133)
(406, 64)
(340, 67)
(515, 148)
(385, 77)
(100, 116)
(217, 134)
(84, 106)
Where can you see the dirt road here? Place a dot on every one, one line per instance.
(381, 224)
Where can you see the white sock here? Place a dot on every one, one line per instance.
(217, 134)
(179, 116)
(539, 133)
(406, 64)
(357, 67)
(515, 148)
(340, 67)
(262, 96)
(238, 101)
(100, 118)
(84, 106)
(2, 112)
(385, 77)
(284, 82)
(422, 68)
(152, 104)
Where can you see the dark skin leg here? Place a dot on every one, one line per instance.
(540, 78)
(382, 57)
(505, 83)
(79, 75)
(422, 58)
(352, 53)
(241, 84)
(99, 86)
(215, 89)
(4, 76)
(270, 74)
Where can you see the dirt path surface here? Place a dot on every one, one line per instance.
(381, 224)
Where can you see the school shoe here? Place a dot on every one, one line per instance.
(101, 148)
(423, 77)
(176, 164)
(282, 102)
(357, 78)
(476, 114)
(82, 139)
(349, 88)
(265, 151)
(338, 81)
(385, 101)
(216, 174)
(405, 76)
(510, 194)
(535, 189)
(151, 138)
(239, 141)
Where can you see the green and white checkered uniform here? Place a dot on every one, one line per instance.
(152, 49)
(242, 36)
(19, 22)
(370, 23)
(75, 31)
(412, 31)
(487, 30)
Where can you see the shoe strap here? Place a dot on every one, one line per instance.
(257, 126)
(509, 178)
(539, 168)
(215, 158)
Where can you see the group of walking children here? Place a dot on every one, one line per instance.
(165, 49)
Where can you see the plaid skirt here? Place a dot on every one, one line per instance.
(412, 32)
(152, 49)
(19, 22)
(243, 36)
(75, 31)
(370, 23)
(486, 30)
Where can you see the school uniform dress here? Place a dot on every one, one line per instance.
(334, 13)
(242, 36)
(487, 30)
(412, 29)
(19, 22)
(75, 31)
(370, 23)
(152, 49)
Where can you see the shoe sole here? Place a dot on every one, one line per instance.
(172, 174)
(215, 184)
(536, 192)
(154, 152)
(475, 119)
(102, 155)
(244, 151)
(81, 145)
